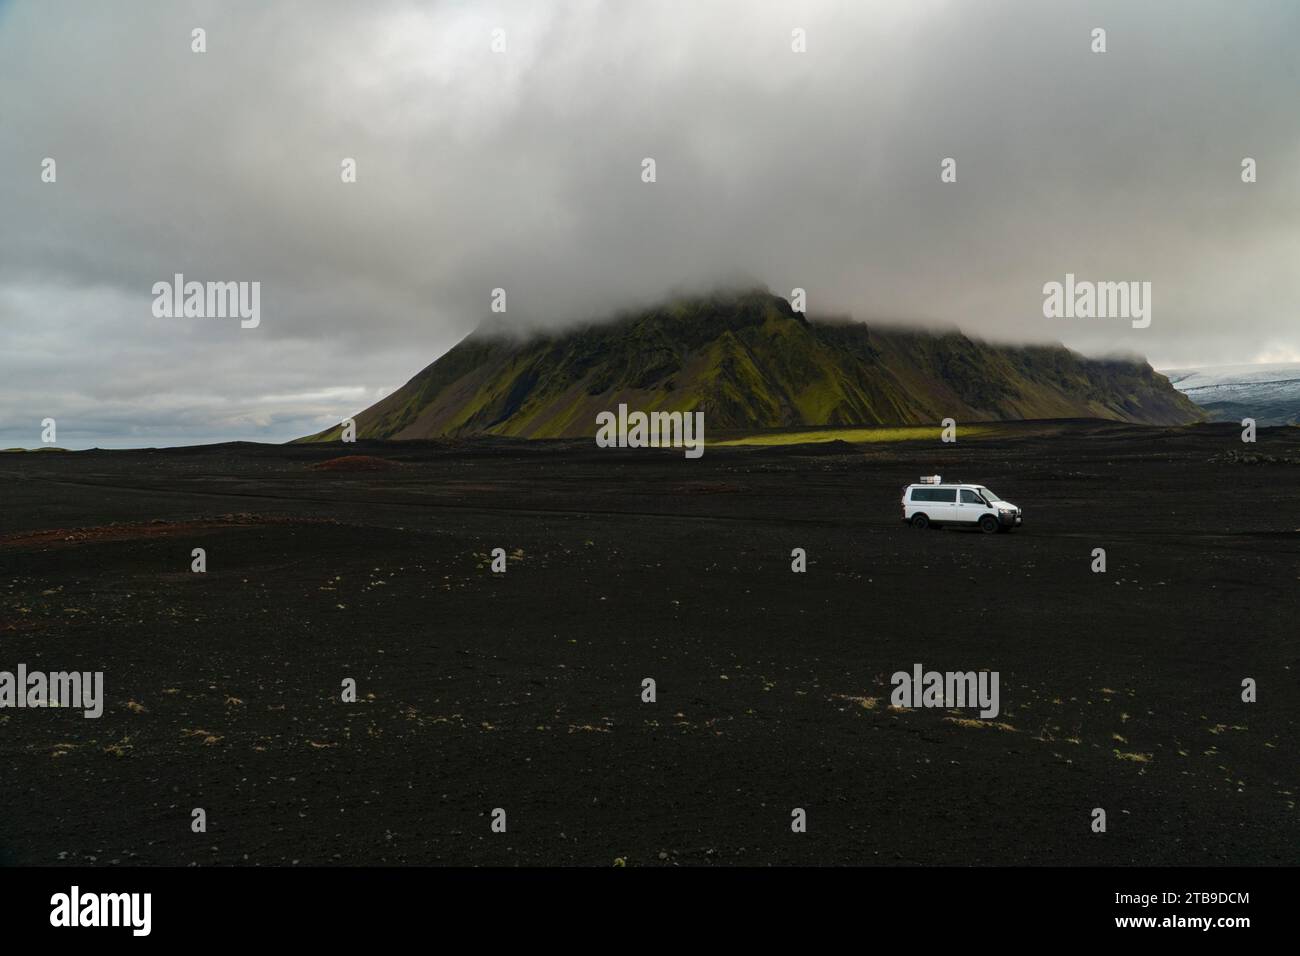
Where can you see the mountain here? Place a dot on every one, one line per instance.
(748, 361)
(1270, 394)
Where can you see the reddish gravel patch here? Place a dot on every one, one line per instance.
(355, 463)
(707, 488)
(71, 537)
(11, 625)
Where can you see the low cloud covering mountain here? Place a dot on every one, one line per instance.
(748, 361)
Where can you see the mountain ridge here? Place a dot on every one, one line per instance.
(749, 361)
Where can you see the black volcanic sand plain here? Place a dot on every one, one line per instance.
(523, 690)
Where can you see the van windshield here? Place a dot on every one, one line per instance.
(988, 495)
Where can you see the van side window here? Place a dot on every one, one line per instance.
(934, 494)
(971, 497)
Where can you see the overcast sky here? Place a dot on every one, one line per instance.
(522, 170)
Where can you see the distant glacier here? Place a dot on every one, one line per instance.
(1270, 394)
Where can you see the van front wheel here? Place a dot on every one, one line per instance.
(920, 522)
(988, 524)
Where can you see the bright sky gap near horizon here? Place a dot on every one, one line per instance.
(522, 170)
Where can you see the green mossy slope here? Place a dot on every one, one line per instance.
(748, 362)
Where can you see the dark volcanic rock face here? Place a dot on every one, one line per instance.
(749, 362)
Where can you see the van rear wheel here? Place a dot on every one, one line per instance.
(988, 524)
(920, 522)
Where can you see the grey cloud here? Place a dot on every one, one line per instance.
(522, 170)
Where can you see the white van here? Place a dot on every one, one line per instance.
(936, 502)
